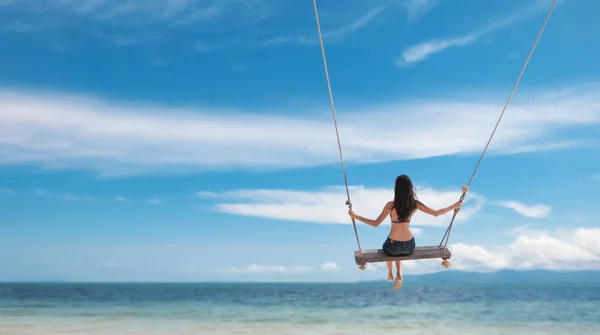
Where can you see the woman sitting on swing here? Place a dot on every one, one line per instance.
(400, 241)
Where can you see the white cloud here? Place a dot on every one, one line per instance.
(561, 249)
(532, 211)
(60, 131)
(376, 266)
(330, 266)
(327, 205)
(420, 52)
(576, 249)
(472, 257)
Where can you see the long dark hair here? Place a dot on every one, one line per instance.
(405, 198)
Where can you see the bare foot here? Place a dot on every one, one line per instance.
(390, 276)
(398, 282)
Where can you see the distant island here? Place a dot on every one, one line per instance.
(503, 277)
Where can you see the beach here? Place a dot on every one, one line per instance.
(347, 308)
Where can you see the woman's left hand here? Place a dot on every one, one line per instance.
(352, 214)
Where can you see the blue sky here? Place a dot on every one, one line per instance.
(183, 140)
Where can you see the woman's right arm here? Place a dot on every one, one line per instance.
(438, 212)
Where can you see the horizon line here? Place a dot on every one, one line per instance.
(362, 281)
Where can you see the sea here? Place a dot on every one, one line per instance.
(299, 308)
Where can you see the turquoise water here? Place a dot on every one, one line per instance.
(362, 308)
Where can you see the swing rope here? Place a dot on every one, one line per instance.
(462, 197)
(337, 134)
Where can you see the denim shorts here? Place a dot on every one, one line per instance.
(398, 248)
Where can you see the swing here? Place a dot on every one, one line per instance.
(421, 252)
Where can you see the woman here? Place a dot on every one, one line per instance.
(400, 241)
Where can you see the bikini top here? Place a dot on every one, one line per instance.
(398, 220)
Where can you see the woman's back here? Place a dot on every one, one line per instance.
(400, 230)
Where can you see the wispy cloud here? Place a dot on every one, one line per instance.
(331, 36)
(118, 264)
(63, 196)
(202, 46)
(316, 206)
(255, 268)
(415, 9)
(239, 68)
(154, 201)
(18, 26)
(41, 193)
(136, 22)
(57, 131)
(279, 41)
(513, 55)
(5, 191)
(276, 269)
(78, 197)
(189, 271)
(420, 52)
(532, 211)
(140, 12)
(121, 198)
(343, 31)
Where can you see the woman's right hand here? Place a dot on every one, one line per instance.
(457, 205)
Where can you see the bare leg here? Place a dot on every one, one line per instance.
(390, 273)
(398, 282)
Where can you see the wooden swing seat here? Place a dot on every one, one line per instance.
(424, 252)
